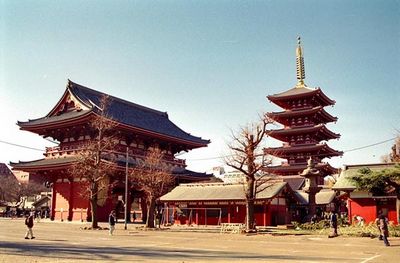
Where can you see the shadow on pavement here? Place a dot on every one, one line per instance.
(147, 253)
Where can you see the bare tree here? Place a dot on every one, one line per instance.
(10, 189)
(247, 157)
(154, 178)
(95, 163)
(394, 155)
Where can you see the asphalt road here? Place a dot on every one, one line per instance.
(66, 242)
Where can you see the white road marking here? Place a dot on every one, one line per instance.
(314, 238)
(371, 258)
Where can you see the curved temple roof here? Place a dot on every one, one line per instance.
(303, 148)
(298, 168)
(318, 112)
(122, 111)
(66, 162)
(283, 98)
(320, 130)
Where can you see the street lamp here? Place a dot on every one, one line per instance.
(126, 189)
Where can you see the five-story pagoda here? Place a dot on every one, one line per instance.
(304, 133)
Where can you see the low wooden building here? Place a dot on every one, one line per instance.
(216, 203)
(363, 203)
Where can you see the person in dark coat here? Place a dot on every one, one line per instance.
(382, 224)
(111, 222)
(29, 225)
(334, 224)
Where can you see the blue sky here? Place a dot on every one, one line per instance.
(209, 64)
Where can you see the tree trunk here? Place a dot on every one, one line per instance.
(150, 212)
(398, 209)
(93, 204)
(250, 226)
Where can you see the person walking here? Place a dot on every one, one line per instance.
(29, 225)
(111, 222)
(38, 216)
(333, 222)
(382, 223)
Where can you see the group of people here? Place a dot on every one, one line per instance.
(29, 222)
(381, 222)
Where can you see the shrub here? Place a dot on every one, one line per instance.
(368, 230)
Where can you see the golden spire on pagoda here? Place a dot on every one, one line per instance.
(301, 74)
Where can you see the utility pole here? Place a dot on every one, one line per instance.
(126, 188)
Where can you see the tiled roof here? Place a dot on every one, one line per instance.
(62, 162)
(301, 92)
(133, 114)
(297, 168)
(37, 164)
(344, 183)
(296, 91)
(182, 172)
(301, 112)
(295, 181)
(55, 118)
(217, 192)
(320, 129)
(323, 150)
(323, 197)
(4, 170)
(122, 111)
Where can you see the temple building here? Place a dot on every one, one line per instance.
(304, 135)
(304, 131)
(138, 129)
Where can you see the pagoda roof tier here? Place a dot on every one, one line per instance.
(320, 132)
(44, 164)
(65, 163)
(320, 150)
(300, 92)
(79, 103)
(316, 113)
(287, 169)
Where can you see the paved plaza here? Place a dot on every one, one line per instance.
(66, 242)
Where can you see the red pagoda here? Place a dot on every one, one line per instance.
(304, 131)
(138, 127)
